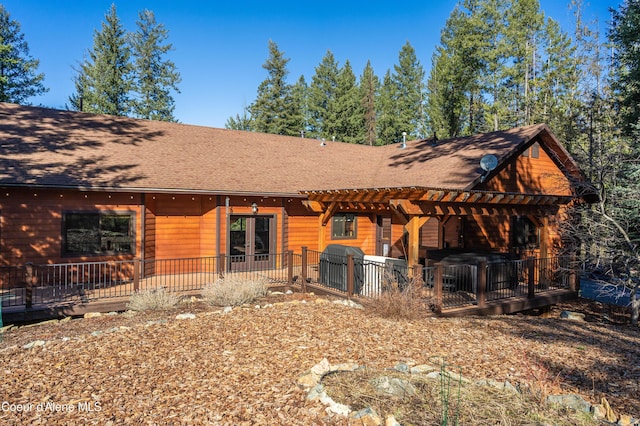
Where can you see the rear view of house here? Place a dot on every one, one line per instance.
(79, 187)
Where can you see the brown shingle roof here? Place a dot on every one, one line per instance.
(53, 148)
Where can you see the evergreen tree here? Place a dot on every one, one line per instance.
(299, 122)
(348, 107)
(273, 109)
(388, 123)
(625, 36)
(322, 98)
(369, 87)
(408, 78)
(104, 79)
(240, 122)
(19, 79)
(155, 77)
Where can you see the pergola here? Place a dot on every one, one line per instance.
(414, 206)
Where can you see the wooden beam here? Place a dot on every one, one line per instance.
(314, 206)
(326, 216)
(407, 207)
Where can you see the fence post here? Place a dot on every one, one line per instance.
(531, 266)
(574, 278)
(304, 269)
(481, 291)
(350, 275)
(437, 288)
(29, 278)
(136, 275)
(417, 282)
(289, 268)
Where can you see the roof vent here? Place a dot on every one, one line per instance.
(404, 140)
(322, 142)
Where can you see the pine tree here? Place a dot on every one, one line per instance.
(349, 111)
(388, 123)
(155, 77)
(104, 79)
(408, 78)
(240, 122)
(298, 123)
(625, 36)
(322, 98)
(19, 79)
(272, 111)
(369, 87)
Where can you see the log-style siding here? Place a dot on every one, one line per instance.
(31, 222)
(529, 175)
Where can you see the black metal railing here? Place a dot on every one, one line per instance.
(450, 286)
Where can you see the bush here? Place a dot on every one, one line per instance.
(153, 300)
(400, 303)
(234, 291)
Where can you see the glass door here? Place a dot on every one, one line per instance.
(250, 242)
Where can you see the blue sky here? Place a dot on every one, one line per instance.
(220, 46)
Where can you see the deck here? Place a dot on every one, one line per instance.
(455, 290)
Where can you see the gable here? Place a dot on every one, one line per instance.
(533, 171)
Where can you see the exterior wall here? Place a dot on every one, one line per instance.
(530, 175)
(365, 233)
(31, 223)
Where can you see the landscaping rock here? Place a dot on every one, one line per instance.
(34, 344)
(227, 309)
(391, 421)
(92, 315)
(186, 316)
(366, 417)
(349, 303)
(423, 369)
(572, 401)
(394, 386)
(575, 316)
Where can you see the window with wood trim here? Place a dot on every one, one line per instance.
(96, 233)
(344, 226)
(524, 233)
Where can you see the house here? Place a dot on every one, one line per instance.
(79, 187)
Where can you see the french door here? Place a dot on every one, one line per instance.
(251, 242)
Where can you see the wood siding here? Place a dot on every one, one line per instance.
(530, 175)
(31, 223)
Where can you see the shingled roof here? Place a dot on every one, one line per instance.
(64, 149)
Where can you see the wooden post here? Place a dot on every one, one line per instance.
(437, 288)
(416, 277)
(531, 266)
(136, 275)
(305, 260)
(289, 268)
(574, 277)
(29, 278)
(481, 291)
(350, 275)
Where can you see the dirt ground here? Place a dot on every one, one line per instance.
(241, 367)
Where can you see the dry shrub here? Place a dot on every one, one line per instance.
(153, 300)
(234, 291)
(397, 302)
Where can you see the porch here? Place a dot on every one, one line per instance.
(31, 292)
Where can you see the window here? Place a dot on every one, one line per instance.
(343, 226)
(524, 233)
(535, 151)
(98, 233)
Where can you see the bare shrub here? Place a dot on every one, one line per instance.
(234, 291)
(399, 302)
(153, 300)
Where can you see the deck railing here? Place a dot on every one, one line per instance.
(449, 286)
